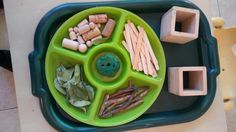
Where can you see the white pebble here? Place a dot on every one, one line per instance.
(89, 43)
(82, 48)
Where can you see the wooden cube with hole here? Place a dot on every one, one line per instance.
(179, 25)
(187, 81)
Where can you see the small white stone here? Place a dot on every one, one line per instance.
(89, 43)
(82, 48)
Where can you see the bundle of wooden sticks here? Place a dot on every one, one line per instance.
(141, 54)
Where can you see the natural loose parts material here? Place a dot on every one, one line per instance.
(70, 44)
(108, 29)
(90, 32)
(69, 82)
(98, 18)
(116, 103)
(139, 47)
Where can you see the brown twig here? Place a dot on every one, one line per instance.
(103, 105)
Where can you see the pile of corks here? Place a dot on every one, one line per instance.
(86, 32)
(139, 47)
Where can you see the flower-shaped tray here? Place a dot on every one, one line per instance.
(57, 55)
(168, 108)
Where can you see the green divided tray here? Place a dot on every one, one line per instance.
(57, 55)
(168, 108)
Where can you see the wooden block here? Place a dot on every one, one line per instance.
(69, 44)
(98, 18)
(109, 27)
(91, 34)
(194, 79)
(179, 25)
(82, 23)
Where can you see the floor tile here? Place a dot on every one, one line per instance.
(4, 44)
(228, 11)
(231, 119)
(9, 121)
(7, 90)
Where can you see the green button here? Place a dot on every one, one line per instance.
(107, 65)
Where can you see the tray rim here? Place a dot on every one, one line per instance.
(38, 84)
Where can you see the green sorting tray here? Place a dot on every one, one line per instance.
(57, 55)
(168, 108)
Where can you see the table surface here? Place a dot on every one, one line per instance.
(22, 17)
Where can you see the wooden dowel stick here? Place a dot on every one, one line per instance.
(148, 59)
(134, 29)
(153, 57)
(129, 45)
(125, 45)
(138, 47)
(144, 64)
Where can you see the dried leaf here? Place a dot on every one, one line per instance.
(58, 87)
(77, 93)
(88, 88)
(100, 40)
(70, 83)
(76, 77)
(79, 103)
(67, 74)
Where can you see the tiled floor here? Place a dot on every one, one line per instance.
(8, 107)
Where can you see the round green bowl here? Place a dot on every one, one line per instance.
(57, 55)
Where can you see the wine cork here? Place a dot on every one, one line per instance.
(69, 44)
(76, 29)
(98, 37)
(83, 29)
(70, 30)
(91, 34)
(99, 18)
(109, 27)
(82, 23)
(72, 36)
(92, 25)
(80, 40)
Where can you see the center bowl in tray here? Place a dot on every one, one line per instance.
(57, 55)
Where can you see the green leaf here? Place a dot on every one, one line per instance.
(58, 87)
(90, 91)
(84, 109)
(70, 83)
(79, 103)
(60, 70)
(76, 77)
(99, 41)
(67, 74)
(77, 93)
(66, 85)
